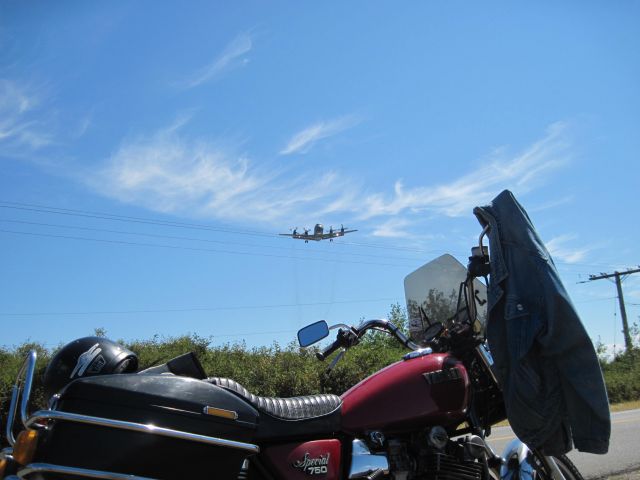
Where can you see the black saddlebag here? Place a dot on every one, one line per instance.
(179, 404)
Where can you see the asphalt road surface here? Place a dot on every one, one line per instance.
(624, 448)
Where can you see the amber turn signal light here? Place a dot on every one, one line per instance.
(221, 412)
(25, 446)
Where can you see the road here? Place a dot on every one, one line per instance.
(624, 448)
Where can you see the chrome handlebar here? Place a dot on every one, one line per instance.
(389, 327)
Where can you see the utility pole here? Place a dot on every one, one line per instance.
(619, 277)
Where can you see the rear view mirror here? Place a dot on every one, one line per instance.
(313, 333)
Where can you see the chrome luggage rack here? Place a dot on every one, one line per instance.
(21, 395)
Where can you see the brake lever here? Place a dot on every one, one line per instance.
(335, 361)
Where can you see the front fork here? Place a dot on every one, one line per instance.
(518, 463)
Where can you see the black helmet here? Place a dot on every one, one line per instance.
(86, 357)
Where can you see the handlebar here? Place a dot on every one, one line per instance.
(328, 351)
(350, 336)
(347, 337)
(388, 326)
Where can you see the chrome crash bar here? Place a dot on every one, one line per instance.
(138, 427)
(35, 468)
(27, 371)
(42, 419)
(6, 454)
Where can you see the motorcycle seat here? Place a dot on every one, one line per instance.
(289, 417)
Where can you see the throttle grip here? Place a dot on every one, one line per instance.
(328, 351)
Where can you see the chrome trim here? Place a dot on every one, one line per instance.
(79, 472)
(138, 427)
(485, 231)
(339, 325)
(556, 473)
(28, 383)
(11, 415)
(516, 453)
(418, 353)
(390, 327)
(525, 471)
(364, 463)
(27, 370)
(6, 453)
(487, 359)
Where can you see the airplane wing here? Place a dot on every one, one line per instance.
(336, 233)
(303, 236)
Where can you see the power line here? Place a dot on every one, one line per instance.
(191, 309)
(594, 300)
(192, 239)
(196, 249)
(124, 218)
(196, 226)
(39, 208)
(168, 223)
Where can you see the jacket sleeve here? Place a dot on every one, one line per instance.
(565, 340)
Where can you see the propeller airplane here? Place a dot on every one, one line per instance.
(318, 233)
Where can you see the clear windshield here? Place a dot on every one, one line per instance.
(432, 293)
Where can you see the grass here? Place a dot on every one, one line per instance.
(621, 407)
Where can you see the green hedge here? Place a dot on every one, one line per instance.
(276, 370)
(622, 377)
(285, 371)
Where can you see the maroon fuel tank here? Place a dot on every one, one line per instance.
(428, 390)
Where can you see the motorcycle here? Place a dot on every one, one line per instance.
(427, 416)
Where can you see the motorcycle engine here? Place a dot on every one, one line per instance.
(431, 455)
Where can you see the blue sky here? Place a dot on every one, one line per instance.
(150, 153)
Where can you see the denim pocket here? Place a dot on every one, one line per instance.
(522, 328)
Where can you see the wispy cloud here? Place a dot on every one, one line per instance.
(520, 173)
(20, 127)
(83, 126)
(304, 140)
(233, 56)
(560, 250)
(551, 204)
(164, 173)
(392, 228)
(167, 171)
(170, 173)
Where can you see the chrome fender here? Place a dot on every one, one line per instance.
(516, 464)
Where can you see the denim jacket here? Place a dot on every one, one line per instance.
(545, 362)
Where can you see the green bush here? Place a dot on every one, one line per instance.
(622, 377)
(284, 371)
(269, 371)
